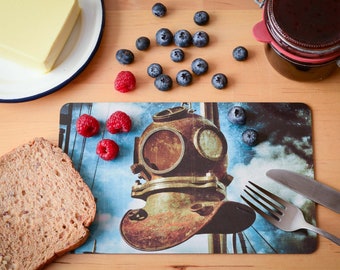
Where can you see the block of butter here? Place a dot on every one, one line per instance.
(34, 32)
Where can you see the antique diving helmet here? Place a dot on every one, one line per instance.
(181, 157)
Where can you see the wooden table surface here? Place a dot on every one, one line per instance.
(251, 81)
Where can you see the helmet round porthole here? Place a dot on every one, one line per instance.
(162, 150)
(210, 143)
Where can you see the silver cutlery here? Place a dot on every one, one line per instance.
(308, 187)
(281, 213)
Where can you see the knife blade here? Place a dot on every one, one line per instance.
(308, 187)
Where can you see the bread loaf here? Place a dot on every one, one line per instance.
(45, 206)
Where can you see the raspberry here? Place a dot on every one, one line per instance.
(107, 149)
(118, 122)
(125, 81)
(87, 125)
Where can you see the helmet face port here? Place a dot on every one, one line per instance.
(162, 150)
(210, 143)
(180, 143)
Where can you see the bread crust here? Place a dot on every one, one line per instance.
(45, 206)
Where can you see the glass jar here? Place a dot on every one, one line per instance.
(302, 37)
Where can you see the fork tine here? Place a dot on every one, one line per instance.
(258, 210)
(265, 203)
(277, 207)
(269, 194)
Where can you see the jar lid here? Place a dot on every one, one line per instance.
(307, 28)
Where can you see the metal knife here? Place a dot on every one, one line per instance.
(308, 187)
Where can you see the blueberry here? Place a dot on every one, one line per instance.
(184, 78)
(250, 137)
(200, 39)
(163, 82)
(142, 43)
(240, 53)
(237, 115)
(201, 17)
(125, 56)
(199, 66)
(154, 70)
(164, 37)
(183, 38)
(159, 10)
(219, 80)
(177, 55)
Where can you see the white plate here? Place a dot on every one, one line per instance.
(19, 84)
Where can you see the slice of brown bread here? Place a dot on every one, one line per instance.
(45, 206)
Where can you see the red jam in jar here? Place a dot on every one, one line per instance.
(302, 37)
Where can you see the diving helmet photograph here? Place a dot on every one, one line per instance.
(176, 183)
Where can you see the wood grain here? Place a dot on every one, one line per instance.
(251, 81)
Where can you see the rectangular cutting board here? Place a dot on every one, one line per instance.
(285, 141)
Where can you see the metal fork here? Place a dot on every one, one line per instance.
(281, 214)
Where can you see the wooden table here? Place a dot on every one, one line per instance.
(251, 81)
